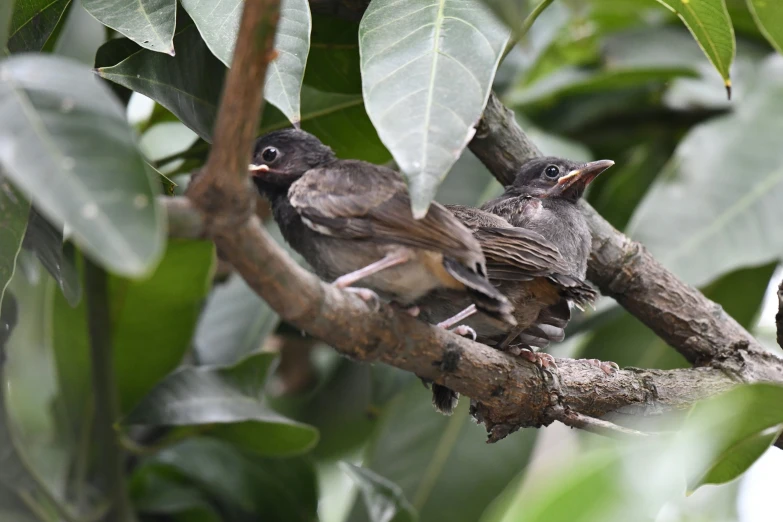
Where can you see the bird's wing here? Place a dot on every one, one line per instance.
(518, 254)
(354, 199)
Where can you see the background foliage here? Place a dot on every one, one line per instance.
(228, 415)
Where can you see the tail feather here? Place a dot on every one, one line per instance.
(444, 399)
(486, 297)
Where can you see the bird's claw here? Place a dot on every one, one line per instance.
(464, 330)
(607, 367)
(540, 359)
(368, 296)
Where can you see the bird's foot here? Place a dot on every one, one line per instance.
(540, 359)
(413, 311)
(464, 331)
(607, 367)
(368, 296)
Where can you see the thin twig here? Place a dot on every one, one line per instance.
(779, 316)
(526, 25)
(598, 426)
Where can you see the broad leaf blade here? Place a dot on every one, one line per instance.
(384, 499)
(709, 22)
(70, 145)
(14, 210)
(149, 23)
(219, 25)
(427, 69)
(769, 19)
(230, 397)
(188, 84)
(711, 200)
(33, 22)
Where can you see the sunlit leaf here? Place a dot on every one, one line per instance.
(427, 69)
(384, 499)
(149, 23)
(67, 142)
(709, 22)
(769, 18)
(33, 22)
(218, 24)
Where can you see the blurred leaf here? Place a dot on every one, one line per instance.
(219, 25)
(442, 464)
(70, 146)
(512, 12)
(769, 18)
(46, 242)
(333, 64)
(737, 428)
(339, 120)
(234, 323)
(628, 342)
(149, 23)
(384, 499)
(270, 489)
(709, 22)
(706, 215)
(152, 326)
(14, 210)
(427, 69)
(13, 509)
(188, 84)
(156, 492)
(33, 22)
(6, 10)
(230, 397)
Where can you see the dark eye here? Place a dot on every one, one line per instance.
(269, 155)
(552, 171)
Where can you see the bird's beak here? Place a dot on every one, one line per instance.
(258, 170)
(582, 176)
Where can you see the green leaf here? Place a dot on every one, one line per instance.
(706, 215)
(333, 63)
(234, 323)
(14, 210)
(111, 53)
(709, 23)
(443, 464)
(6, 10)
(769, 19)
(33, 22)
(149, 23)
(152, 326)
(270, 489)
(230, 397)
(737, 427)
(188, 84)
(70, 145)
(384, 499)
(219, 25)
(512, 12)
(427, 69)
(155, 492)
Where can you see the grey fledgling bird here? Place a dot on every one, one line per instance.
(351, 221)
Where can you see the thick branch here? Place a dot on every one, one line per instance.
(623, 269)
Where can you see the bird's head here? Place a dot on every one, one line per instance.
(282, 157)
(551, 177)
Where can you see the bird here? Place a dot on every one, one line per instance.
(530, 271)
(352, 222)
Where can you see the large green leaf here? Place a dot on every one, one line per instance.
(70, 145)
(709, 22)
(219, 25)
(769, 18)
(230, 397)
(13, 223)
(333, 64)
(427, 69)
(737, 427)
(717, 205)
(33, 22)
(156, 492)
(384, 499)
(267, 489)
(188, 84)
(442, 464)
(149, 23)
(152, 326)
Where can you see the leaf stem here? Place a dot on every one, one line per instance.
(526, 25)
(104, 391)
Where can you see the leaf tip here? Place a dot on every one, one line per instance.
(171, 51)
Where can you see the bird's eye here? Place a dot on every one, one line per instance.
(552, 171)
(269, 154)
